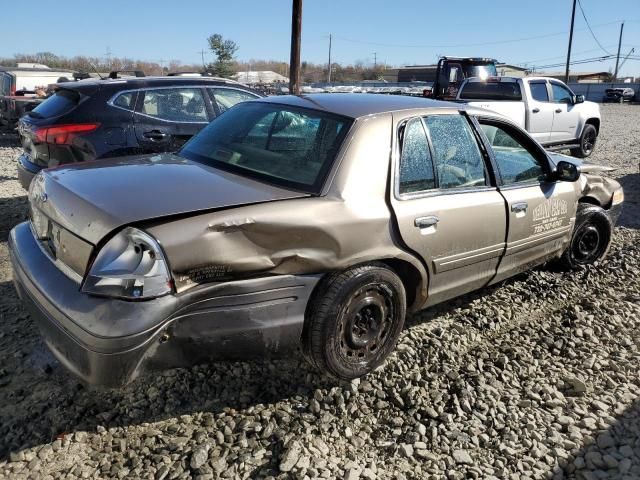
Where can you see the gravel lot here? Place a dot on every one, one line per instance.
(537, 377)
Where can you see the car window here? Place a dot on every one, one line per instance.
(561, 94)
(515, 162)
(416, 165)
(539, 91)
(226, 98)
(175, 104)
(491, 91)
(275, 143)
(60, 103)
(457, 156)
(125, 100)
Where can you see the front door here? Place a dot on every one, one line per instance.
(541, 213)
(166, 118)
(446, 208)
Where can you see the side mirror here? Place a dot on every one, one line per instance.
(579, 99)
(567, 172)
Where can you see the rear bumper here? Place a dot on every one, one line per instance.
(109, 342)
(26, 171)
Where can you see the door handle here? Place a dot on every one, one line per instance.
(519, 207)
(426, 222)
(535, 110)
(558, 110)
(155, 135)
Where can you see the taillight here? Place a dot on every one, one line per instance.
(63, 134)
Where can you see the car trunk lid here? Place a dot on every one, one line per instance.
(92, 199)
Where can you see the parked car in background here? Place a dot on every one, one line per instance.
(22, 89)
(93, 119)
(619, 95)
(544, 107)
(313, 222)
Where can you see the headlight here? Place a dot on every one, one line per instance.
(618, 197)
(131, 265)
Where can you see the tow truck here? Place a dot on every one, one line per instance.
(452, 71)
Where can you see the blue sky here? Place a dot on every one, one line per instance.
(400, 32)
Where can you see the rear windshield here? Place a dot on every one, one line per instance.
(491, 91)
(279, 144)
(63, 101)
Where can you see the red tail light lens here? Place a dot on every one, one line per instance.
(63, 134)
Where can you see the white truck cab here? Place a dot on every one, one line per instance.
(545, 107)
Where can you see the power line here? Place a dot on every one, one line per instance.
(498, 42)
(589, 26)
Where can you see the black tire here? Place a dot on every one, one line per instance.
(590, 240)
(587, 142)
(354, 320)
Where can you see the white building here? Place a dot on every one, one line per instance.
(263, 77)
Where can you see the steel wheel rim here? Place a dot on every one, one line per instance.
(365, 324)
(587, 244)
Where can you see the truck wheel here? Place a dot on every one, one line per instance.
(354, 321)
(591, 238)
(587, 142)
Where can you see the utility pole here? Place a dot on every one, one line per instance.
(615, 75)
(294, 61)
(201, 52)
(329, 74)
(573, 17)
(108, 55)
(375, 60)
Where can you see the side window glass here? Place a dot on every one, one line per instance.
(125, 100)
(175, 104)
(560, 93)
(457, 156)
(515, 162)
(226, 98)
(539, 91)
(416, 166)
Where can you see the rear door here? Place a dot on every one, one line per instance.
(167, 117)
(565, 117)
(540, 110)
(447, 209)
(540, 212)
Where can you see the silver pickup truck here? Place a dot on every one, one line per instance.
(544, 107)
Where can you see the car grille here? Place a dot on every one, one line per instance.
(68, 251)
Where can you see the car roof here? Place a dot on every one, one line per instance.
(357, 105)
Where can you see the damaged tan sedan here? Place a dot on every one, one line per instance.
(312, 223)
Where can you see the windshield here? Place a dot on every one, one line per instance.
(279, 144)
(481, 71)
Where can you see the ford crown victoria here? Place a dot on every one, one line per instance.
(312, 223)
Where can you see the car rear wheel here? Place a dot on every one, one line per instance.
(354, 321)
(591, 238)
(587, 142)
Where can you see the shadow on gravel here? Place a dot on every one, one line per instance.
(631, 208)
(612, 452)
(13, 210)
(40, 401)
(9, 139)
